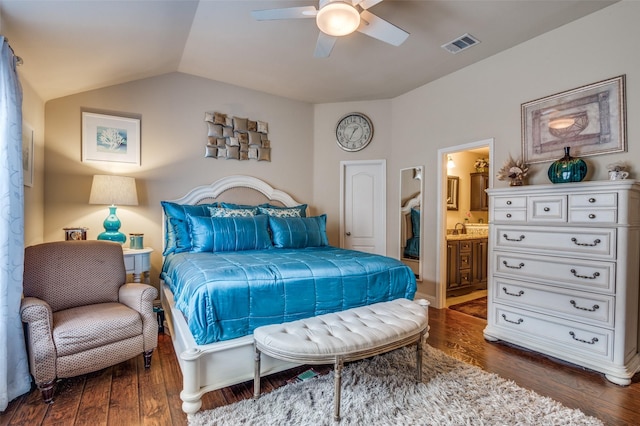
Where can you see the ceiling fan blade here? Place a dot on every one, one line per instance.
(376, 27)
(324, 46)
(366, 4)
(286, 13)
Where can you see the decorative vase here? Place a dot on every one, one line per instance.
(516, 181)
(567, 169)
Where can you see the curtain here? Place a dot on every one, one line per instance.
(14, 368)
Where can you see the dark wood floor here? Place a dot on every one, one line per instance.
(126, 394)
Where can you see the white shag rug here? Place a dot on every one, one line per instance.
(383, 391)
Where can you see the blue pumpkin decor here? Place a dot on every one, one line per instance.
(567, 169)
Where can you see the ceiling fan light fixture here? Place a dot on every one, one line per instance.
(338, 19)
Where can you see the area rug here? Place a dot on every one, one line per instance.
(383, 391)
(475, 307)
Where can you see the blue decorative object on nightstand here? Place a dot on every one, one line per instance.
(567, 169)
(111, 228)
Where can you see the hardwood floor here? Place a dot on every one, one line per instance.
(126, 394)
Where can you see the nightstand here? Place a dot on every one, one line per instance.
(138, 262)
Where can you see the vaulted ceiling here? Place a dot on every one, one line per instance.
(73, 46)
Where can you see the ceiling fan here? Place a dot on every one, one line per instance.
(336, 18)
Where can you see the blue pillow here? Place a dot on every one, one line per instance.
(299, 232)
(216, 234)
(224, 212)
(271, 210)
(176, 226)
(239, 207)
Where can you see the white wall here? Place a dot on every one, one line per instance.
(173, 138)
(481, 102)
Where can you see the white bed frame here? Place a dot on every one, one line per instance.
(217, 365)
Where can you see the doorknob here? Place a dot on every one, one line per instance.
(348, 234)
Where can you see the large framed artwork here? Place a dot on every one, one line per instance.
(590, 119)
(27, 154)
(110, 138)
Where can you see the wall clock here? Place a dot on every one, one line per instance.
(354, 131)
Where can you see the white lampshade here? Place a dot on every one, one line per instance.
(113, 190)
(338, 18)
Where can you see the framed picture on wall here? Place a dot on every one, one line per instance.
(27, 154)
(110, 138)
(590, 119)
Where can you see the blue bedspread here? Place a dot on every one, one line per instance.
(227, 295)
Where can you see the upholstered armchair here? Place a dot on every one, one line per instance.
(80, 314)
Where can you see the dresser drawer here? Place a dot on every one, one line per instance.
(591, 308)
(559, 336)
(607, 199)
(509, 215)
(517, 202)
(581, 274)
(598, 216)
(586, 242)
(547, 208)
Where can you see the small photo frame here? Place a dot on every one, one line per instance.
(27, 155)
(110, 138)
(590, 119)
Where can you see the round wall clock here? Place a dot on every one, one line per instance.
(354, 131)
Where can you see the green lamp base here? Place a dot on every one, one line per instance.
(111, 228)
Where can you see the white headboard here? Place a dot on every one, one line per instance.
(239, 189)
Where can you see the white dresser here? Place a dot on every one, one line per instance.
(564, 264)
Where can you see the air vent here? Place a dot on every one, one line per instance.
(461, 43)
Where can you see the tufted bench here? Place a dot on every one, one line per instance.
(345, 336)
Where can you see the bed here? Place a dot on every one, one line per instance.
(229, 279)
(410, 233)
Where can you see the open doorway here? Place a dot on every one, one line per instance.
(464, 223)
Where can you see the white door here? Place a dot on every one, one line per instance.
(363, 206)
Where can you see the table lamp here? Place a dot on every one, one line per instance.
(113, 190)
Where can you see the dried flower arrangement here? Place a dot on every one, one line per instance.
(618, 166)
(481, 164)
(514, 170)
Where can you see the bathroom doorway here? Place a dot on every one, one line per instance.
(467, 170)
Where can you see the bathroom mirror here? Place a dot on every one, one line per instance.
(410, 217)
(452, 192)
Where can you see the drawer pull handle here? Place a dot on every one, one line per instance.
(592, 200)
(593, 341)
(595, 307)
(509, 215)
(511, 266)
(518, 294)
(508, 203)
(519, 321)
(546, 209)
(592, 216)
(506, 237)
(593, 277)
(595, 242)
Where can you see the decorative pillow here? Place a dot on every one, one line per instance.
(252, 126)
(217, 234)
(271, 210)
(225, 212)
(178, 214)
(299, 232)
(263, 127)
(234, 206)
(211, 151)
(264, 154)
(240, 124)
(215, 130)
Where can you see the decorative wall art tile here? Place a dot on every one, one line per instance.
(236, 138)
